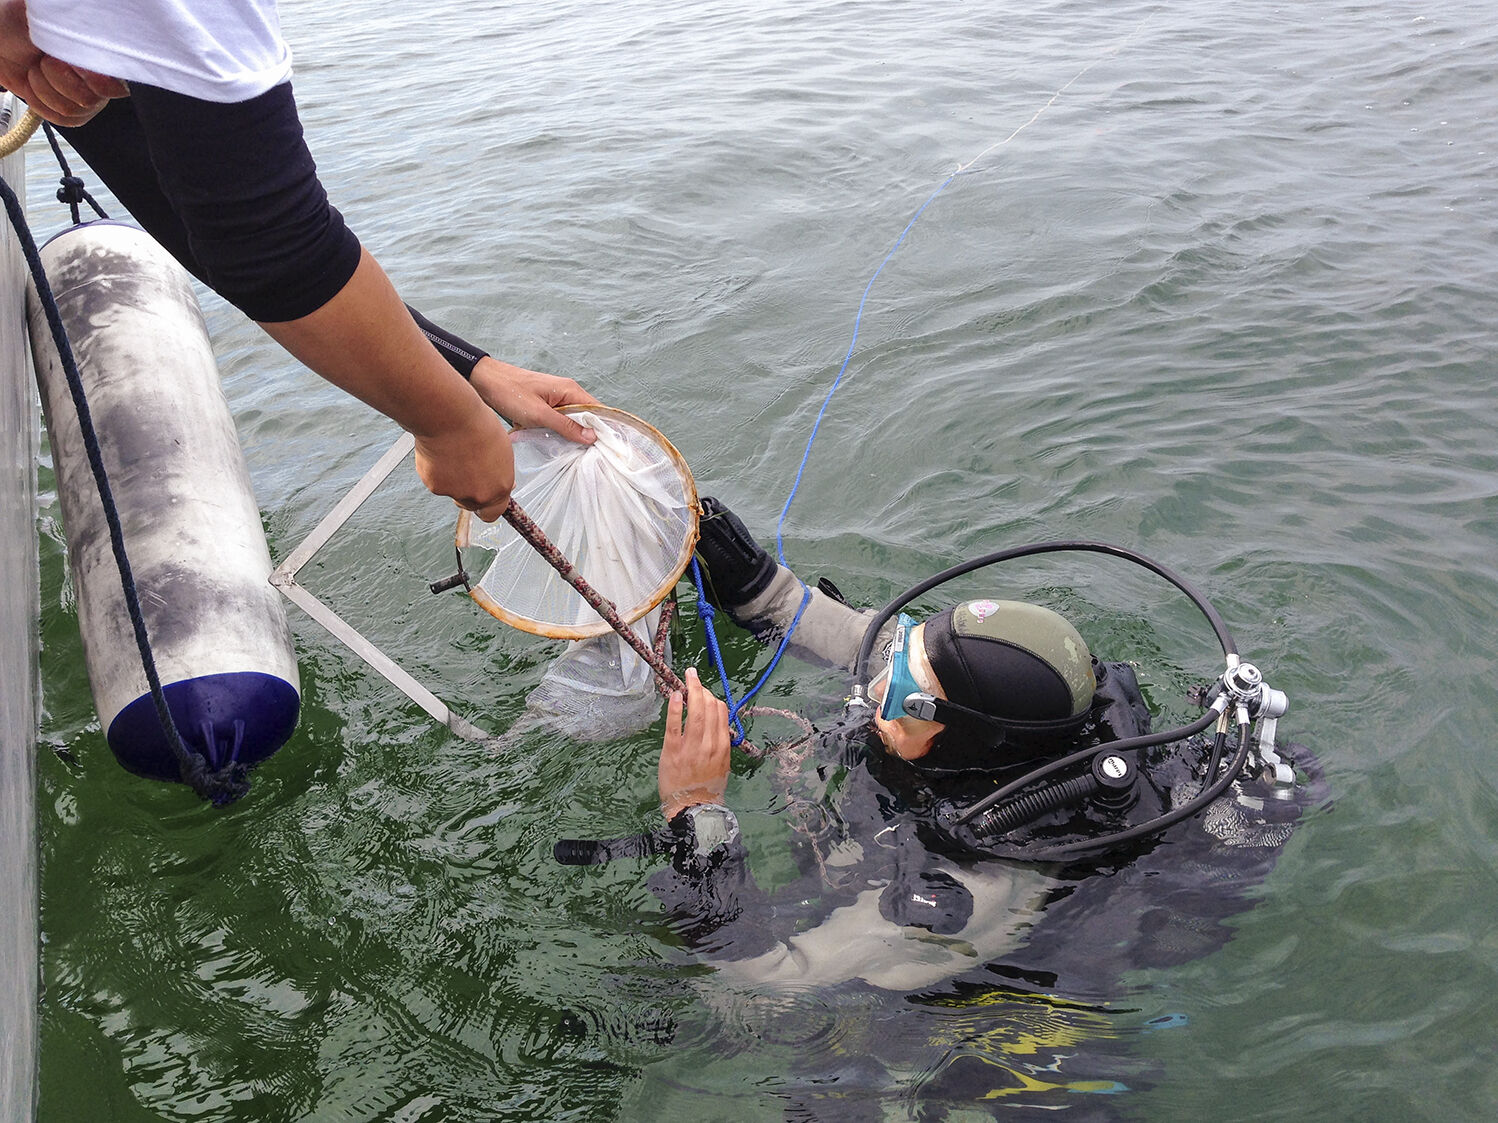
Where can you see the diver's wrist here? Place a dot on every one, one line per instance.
(706, 829)
(674, 804)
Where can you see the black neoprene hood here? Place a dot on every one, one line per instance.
(1001, 667)
(1015, 661)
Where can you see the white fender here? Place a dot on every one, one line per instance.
(192, 528)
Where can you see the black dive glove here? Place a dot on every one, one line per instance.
(737, 567)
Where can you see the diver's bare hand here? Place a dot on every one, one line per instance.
(530, 398)
(695, 753)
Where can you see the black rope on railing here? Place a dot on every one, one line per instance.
(232, 781)
(72, 192)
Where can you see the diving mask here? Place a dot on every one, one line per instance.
(901, 682)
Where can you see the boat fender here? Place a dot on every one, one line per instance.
(192, 529)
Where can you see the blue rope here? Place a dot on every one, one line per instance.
(963, 169)
(857, 322)
(707, 613)
(705, 610)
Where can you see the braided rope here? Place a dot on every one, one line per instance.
(19, 133)
(662, 633)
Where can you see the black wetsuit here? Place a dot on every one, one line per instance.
(885, 897)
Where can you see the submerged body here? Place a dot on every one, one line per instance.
(889, 899)
(887, 895)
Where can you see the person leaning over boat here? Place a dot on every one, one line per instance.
(184, 109)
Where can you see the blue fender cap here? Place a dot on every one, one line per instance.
(238, 716)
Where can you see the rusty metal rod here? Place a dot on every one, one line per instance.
(601, 604)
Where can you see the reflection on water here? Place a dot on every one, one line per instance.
(1226, 301)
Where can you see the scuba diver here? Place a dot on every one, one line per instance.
(995, 815)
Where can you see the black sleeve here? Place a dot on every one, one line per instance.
(231, 191)
(711, 900)
(461, 355)
(113, 144)
(117, 146)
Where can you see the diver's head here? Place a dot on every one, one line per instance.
(1015, 662)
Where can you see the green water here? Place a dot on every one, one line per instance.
(1226, 298)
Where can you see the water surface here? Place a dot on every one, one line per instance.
(1216, 285)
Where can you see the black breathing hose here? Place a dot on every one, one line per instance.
(1070, 850)
(1145, 741)
(871, 633)
(1033, 804)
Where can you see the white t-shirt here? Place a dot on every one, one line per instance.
(218, 50)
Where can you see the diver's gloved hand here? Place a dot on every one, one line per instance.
(737, 568)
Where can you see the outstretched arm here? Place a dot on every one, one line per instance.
(527, 398)
(764, 598)
(232, 192)
(707, 885)
(364, 341)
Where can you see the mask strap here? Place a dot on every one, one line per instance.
(928, 707)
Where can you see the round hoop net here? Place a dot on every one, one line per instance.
(623, 511)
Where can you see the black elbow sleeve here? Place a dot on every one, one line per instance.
(461, 355)
(258, 222)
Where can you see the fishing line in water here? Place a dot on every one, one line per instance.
(962, 169)
(704, 609)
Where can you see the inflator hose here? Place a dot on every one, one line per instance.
(1170, 818)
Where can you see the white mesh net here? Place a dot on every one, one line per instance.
(599, 689)
(623, 511)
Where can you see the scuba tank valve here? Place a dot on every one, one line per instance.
(1255, 699)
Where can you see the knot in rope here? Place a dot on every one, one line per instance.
(221, 787)
(71, 192)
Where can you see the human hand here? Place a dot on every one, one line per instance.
(473, 465)
(694, 755)
(530, 399)
(63, 94)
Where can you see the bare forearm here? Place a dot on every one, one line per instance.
(365, 342)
